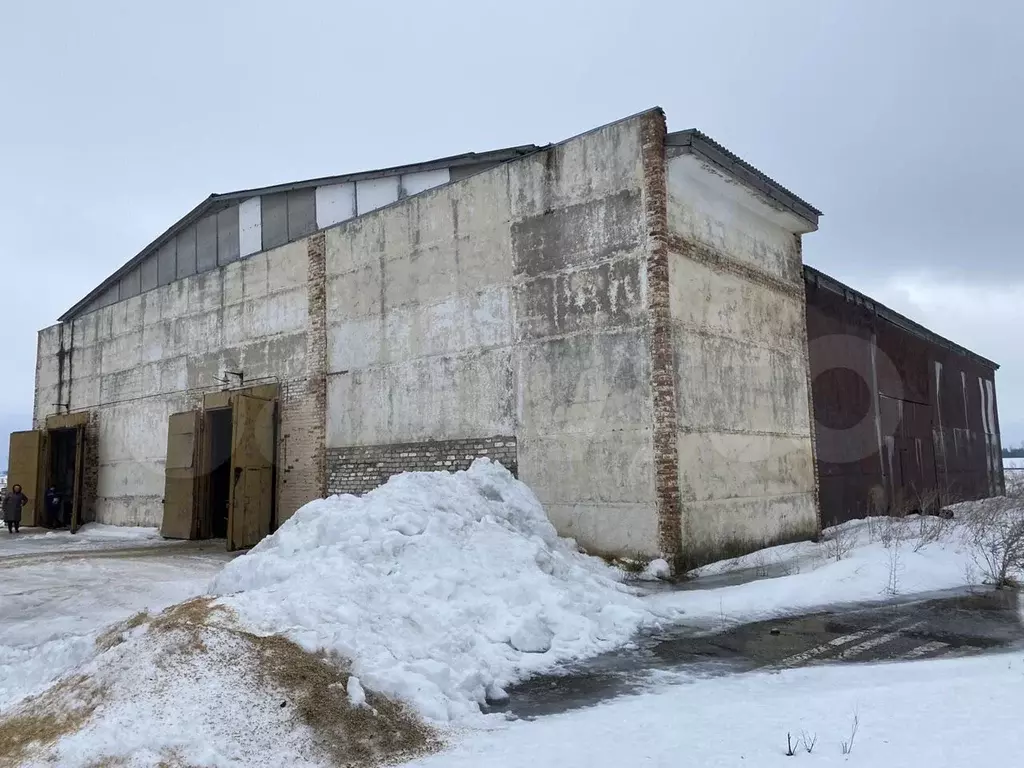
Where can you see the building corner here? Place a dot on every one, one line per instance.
(662, 362)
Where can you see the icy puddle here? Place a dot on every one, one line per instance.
(958, 624)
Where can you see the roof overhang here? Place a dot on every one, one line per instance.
(695, 143)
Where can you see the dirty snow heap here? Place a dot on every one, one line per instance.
(442, 589)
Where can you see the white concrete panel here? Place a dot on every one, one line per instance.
(354, 344)
(748, 523)
(355, 294)
(375, 193)
(432, 398)
(250, 226)
(724, 385)
(288, 266)
(706, 206)
(414, 183)
(629, 529)
(705, 300)
(335, 203)
(724, 465)
(584, 384)
(254, 276)
(600, 467)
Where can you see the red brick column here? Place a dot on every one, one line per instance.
(663, 387)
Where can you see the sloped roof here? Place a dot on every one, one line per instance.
(695, 142)
(217, 202)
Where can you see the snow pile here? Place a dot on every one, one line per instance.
(189, 687)
(442, 589)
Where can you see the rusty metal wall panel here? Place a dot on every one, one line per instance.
(933, 410)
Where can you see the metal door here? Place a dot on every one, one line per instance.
(24, 468)
(76, 499)
(181, 475)
(251, 503)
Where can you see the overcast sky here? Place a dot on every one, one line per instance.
(902, 122)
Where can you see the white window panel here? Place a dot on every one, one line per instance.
(250, 227)
(376, 193)
(413, 183)
(335, 203)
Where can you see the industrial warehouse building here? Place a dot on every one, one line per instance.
(622, 319)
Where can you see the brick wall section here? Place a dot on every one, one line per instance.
(360, 469)
(302, 457)
(90, 468)
(663, 388)
(316, 354)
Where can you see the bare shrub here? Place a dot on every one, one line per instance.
(761, 565)
(1014, 482)
(892, 586)
(809, 741)
(840, 543)
(893, 531)
(931, 529)
(791, 745)
(995, 535)
(848, 744)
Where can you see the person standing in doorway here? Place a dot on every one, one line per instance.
(54, 518)
(12, 508)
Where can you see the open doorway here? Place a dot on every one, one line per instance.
(218, 426)
(220, 468)
(60, 477)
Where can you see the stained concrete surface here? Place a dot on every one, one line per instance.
(947, 624)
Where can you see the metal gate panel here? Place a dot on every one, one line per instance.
(25, 465)
(251, 504)
(184, 432)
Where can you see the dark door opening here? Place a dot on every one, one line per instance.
(61, 477)
(219, 424)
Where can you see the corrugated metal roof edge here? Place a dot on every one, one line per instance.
(701, 144)
(218, 200)
(819, 278)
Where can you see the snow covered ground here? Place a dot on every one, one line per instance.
(52, 610)
(439, 591)
(935, 714)
(90, 537)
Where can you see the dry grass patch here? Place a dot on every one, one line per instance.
(40, 721)
(382, 731)
(115, 635)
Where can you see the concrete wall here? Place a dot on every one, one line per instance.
(745, 449)
(509, 303)
(135, 362)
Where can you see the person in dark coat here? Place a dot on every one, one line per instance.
(12, 508)
(54, 518)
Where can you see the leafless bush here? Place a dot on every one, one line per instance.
(791, 745)
(808, 741)
(848, 744)
(1014, 482)
(892, 586)
(840, 543)
(995, 534)
(760, 562)
(931, 528)
(893, 531)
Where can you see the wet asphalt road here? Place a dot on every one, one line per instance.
(953, 624)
